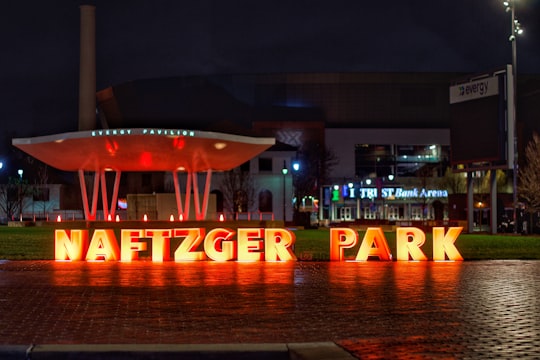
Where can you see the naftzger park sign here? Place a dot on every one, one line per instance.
(246, 244)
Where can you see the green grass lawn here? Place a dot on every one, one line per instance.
(37, 243)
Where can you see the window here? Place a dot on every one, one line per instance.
(374, 160)
(41, 194)
(265, 201)
(265, 164)
(146, 179)
(245, 166)
(219, 200)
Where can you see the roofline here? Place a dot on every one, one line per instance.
(145, 132)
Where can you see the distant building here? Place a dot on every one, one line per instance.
(389, 133)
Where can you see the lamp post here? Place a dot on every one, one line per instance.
(20, 198)
(284, 171)
(296, 208)
(515, 30)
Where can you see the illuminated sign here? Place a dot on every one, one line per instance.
(245, 244)
(408, 244)
(145, 131)
(251, 244)
(397, 193)
(476, 89)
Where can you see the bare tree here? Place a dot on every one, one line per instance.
(455, 183)
(529, 177)
(316, 163)
(238, 190)
(8, 199)
(41, 188)
(13, 196)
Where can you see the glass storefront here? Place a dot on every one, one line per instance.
(351, 203)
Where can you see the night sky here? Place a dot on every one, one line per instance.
(139, 39)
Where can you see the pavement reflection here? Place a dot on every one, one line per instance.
(449, 309)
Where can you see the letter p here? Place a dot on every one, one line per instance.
(340, 239)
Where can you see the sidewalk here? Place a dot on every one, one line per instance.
(298, 351)
(302, 310)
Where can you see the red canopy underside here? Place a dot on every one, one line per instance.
(143, 150)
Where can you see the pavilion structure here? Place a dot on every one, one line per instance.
(144, 149)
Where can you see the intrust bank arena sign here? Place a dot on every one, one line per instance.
(245, 244)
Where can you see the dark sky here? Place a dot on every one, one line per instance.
(139, 39)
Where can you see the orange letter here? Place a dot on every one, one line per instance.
(341, 238)
(219, 246)
(130, 247)
(277, 245)
(408, 241)
(70, 244)
(247, 248)
(445, 244)
(161, 244)
(103, 246)
(192, 239)
(374, 236)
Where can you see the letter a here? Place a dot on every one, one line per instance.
(374, 236)
(103, 246)
(444, 244)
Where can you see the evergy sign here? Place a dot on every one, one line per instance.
(244, 244)
(474, 90)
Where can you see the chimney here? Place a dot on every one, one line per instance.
(87, 69)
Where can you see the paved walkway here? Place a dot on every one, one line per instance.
(373, 310)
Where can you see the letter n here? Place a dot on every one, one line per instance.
(444, 244)
(70, 244)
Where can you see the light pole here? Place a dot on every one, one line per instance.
(510, 6)
(284, 171)
(20, 172)
(296, 208)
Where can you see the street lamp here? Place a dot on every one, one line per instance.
(284, 171)
(515, 30)
(296, 168)
(20, 172)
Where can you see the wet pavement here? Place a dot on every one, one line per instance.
(374, 310)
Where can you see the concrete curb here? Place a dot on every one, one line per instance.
(294, 351)
(14, 351)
